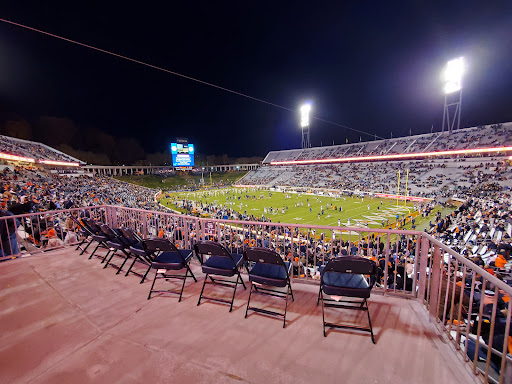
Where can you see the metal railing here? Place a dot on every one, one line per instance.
(470, 305)
(33, 233)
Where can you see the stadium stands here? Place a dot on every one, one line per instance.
(468, 138)
(427, 178)
(32, 190)
(34, 150)
(412, 263)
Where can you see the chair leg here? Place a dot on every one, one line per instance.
(248, 301)
(81, 243)
(106, 255)
(240, 276)
(85, 249)
(183, 285)
(131, 266)
(110, 259)
(122, 265)
(152, 285)
(286, 306)
(323, 314)
(369, 321)
(318, 301)
(92, 254)
(189, 270)
(234, 292)
(202, 290)
(291, 291)
(144, 277)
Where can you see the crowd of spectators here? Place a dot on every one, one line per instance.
(31, 149)
(30, 189)
(34, 190)
(424, 178)
(475, 137)
(480, 229)
(479, 225)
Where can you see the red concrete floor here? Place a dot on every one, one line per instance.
(64, 319)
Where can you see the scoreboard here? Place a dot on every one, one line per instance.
(182, 155)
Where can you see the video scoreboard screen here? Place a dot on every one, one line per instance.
(182, 155)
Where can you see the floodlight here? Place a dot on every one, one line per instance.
(7, 156)
(453, 75)
(304, 115)
(64, 163)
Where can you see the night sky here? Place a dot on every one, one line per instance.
(371, 65)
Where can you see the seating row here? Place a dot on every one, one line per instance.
(343, 277)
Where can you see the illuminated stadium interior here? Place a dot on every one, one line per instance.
(130, 254)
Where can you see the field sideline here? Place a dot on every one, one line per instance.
(355, 211)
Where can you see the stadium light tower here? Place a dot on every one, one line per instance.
(452, 77)
(304, 124)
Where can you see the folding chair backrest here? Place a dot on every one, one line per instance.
(129, 237)
(108, 231)
(89, 223)
(159, 245)
(129, 234)
(211, 248)
(352, 265)
(263, 256)
(79, 224)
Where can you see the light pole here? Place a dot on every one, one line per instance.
(304, 124)
(452, 89)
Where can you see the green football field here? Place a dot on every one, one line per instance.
(356, 211)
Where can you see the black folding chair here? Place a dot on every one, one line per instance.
(345, 277)
(116, 243)
(85, 233)
(267, 269)
(97, 235)
(169, 258)
(220, 262)
(137, 250)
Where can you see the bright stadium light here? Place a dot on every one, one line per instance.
(304, 115)
(304, 124)
(63, 163)
(453, 75)
(7, 156)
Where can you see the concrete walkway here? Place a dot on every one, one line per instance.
(66, 320)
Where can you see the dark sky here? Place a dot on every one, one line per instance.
(371, 65)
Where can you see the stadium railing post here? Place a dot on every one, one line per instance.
(435, 271)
